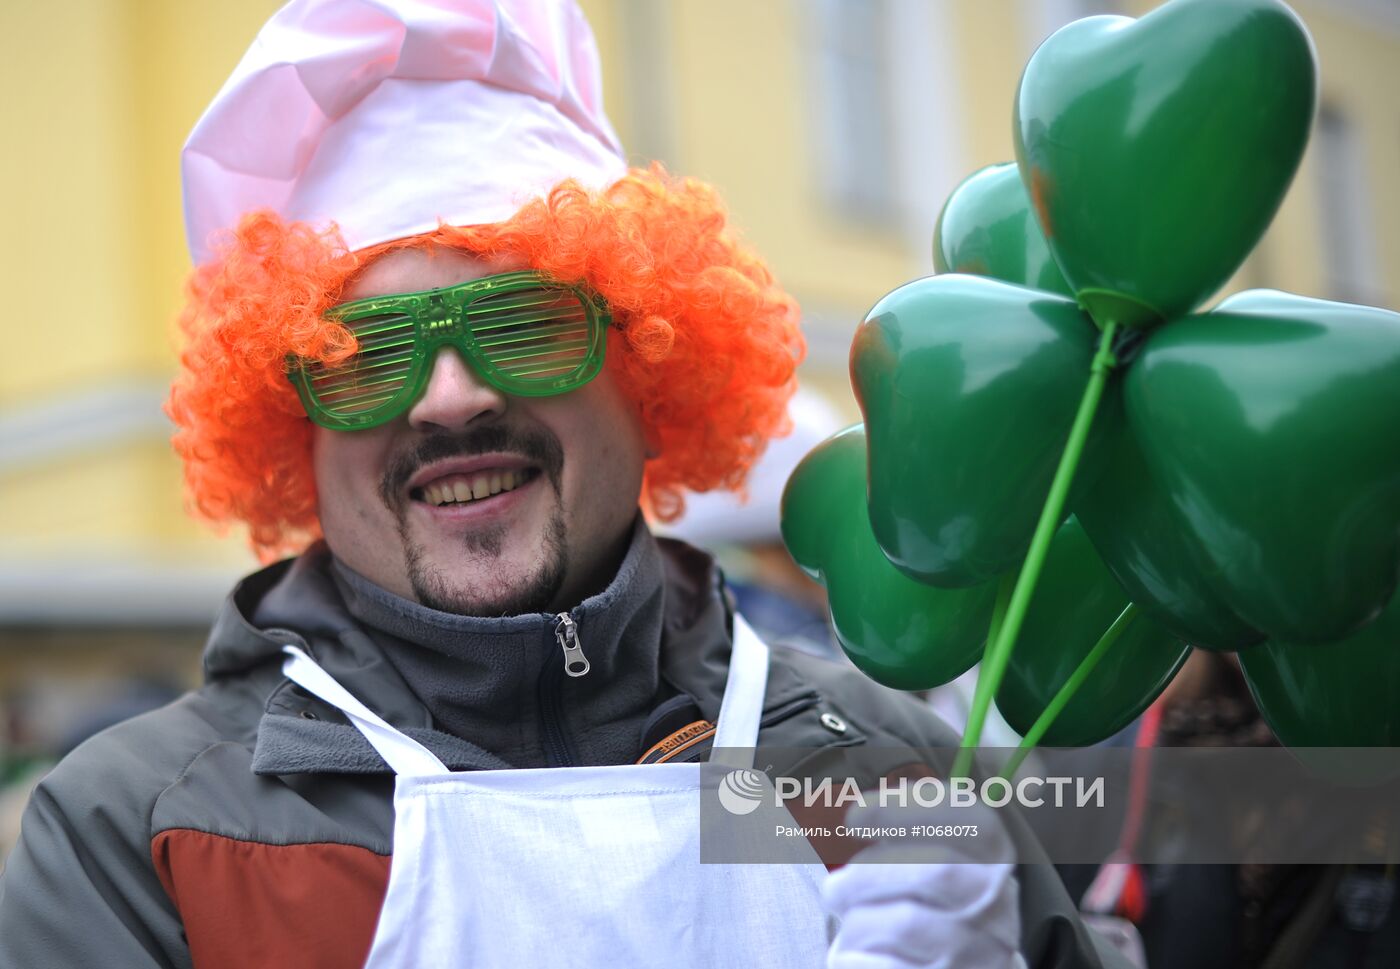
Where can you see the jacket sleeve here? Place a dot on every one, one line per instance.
(80, 889)
(1053, 936)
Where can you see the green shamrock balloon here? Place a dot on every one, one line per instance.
(897, 631)
(1076, 601)
(969, 387)
(1268, 422)
(1343, 694)
(1157, 151)
(1237, 482)
(986, 228)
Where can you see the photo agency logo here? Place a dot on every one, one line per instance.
(741, 792)
(1206, 806)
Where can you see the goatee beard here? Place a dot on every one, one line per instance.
(437, 590)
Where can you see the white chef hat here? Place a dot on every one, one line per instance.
(389, 117)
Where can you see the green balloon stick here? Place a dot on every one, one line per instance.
(1060, 700)
(998, 653)
(1076, 599)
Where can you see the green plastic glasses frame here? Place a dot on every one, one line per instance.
(522, 332)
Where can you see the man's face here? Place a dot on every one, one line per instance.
(566, 470)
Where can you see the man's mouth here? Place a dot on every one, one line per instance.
(458, 479)
(461, 489)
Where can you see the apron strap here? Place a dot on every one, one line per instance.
(402, 753)
(736, 731)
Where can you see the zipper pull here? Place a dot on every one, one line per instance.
(566, 631)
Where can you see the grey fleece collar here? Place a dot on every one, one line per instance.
(496, 684)
(464, 638)
(296, 601)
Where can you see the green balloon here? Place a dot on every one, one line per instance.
(1157, 151)
(986, 228)
(1344, 694)
(1074, 604)
(969, 387)
(897, 631)
(1269, 424)
(1144, 542)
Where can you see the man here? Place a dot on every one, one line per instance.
(436, 323)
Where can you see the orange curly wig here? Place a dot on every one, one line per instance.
(708, 342)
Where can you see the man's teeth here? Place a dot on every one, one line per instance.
(461, 488)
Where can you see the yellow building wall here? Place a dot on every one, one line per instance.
(741, 111)
(1360, 70)
(68, 176)
(103, 92)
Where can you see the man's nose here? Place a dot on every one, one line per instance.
(455, 396)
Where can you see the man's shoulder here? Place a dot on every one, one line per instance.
(885, 717)
(122, 771)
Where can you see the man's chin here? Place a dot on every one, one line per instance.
(437, 591)
(483, 576)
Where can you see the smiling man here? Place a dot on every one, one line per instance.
(443, 348)
(476, 501)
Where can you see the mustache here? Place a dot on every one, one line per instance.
(537, 445)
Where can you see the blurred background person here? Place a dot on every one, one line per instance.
(744, 533)
(1234, 916)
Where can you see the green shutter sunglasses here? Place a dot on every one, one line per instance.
(524, 333)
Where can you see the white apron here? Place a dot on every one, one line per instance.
(579, 866)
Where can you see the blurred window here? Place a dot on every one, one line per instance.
(1041, 18)
(1095, 8)
(851, 107)
(1348, 236)
(649, 79)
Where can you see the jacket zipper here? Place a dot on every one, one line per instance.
(559, 750)
(566, 631)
